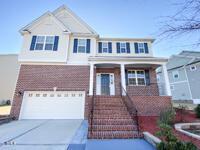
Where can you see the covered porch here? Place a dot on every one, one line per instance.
(137, 76)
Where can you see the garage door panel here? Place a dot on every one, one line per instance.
(53, 105)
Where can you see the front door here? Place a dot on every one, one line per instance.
(105, 84)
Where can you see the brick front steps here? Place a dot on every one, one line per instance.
(111, 120)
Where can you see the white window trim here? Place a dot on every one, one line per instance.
(195, 67)
(136, 78)
(44, 43)
(174, 73)
(141, 47)
(85, 45)
(104, 47)
(124, 47)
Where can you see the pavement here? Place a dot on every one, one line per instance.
(39, 134)
(119, 144)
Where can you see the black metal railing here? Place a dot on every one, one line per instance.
(91, 115)
(130, 106)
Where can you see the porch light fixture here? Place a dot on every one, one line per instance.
(19, 93)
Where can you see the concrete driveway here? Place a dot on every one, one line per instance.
(38, 134)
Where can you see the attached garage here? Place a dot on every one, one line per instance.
(53, 105)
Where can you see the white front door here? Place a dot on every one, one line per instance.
(53, 105)
(105, 84)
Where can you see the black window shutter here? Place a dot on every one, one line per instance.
(55, 46)
(100, 47)
(33, 43)
(147, 77)
(88, 46)
(109, 47)
(75, 45)
(128, 47)
(126, 76)
(136, 48)
(118, 47)
(146, 48)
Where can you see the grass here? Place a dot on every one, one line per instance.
(5, 110)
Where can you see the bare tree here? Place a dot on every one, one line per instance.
(185, 21)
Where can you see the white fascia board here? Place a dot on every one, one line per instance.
(77, 18)
(47, 14)
(127, 39)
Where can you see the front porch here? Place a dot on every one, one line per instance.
(135, 79)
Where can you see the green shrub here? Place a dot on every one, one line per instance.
(197, 110)
(167, 116)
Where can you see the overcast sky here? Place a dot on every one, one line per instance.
(109, 18)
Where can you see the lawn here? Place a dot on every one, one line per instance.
(5, 110)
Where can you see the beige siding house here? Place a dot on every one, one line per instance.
(9, 72)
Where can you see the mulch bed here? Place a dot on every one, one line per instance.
(149, 123)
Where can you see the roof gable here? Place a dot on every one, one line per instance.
(72, 21)
(37, 21)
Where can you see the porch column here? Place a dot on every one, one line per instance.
(123, 78)
(91, 85)
(166, 79)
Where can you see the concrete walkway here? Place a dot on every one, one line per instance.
(119, 144)
(38, 134)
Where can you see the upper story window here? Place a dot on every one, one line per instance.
(123, 47)
(81, 46)
(141, 48)
(104, 47)
(44, 43)
(175, 74)
(193, 68)
(136, 77)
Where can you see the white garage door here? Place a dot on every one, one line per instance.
(53, 105)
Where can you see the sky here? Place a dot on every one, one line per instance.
(109, 18)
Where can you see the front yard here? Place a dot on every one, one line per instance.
(5, 110)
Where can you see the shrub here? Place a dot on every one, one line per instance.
(197, 110)
(167, 116)
(8, 102)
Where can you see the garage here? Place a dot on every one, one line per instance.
(53, 105)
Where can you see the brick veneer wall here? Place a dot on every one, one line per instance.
(45, 77)
(151, 105)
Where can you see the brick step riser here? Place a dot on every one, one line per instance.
(114, 128)
(113, 123)
(124, 113)
(110, 117)
(109, 108)
(112, 135)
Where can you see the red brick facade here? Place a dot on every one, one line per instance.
(66, 78)
(45, 77)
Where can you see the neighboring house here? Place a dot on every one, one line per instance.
(9, 72)
(69, 72)
(184, 76)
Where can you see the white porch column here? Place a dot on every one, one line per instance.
(166, 79)
(123, 78)
(91, 85)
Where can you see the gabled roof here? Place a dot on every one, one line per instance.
(77, 18)
(45, 15)
(182, 59)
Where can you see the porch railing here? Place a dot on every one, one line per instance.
(130, 106)
(91, 107)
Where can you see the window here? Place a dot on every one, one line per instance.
(105, 47)
(44, 43)
(123, 47)
(193, 68)
(49, 42)
(175, 74)
(82, 45)
(141, 48)
(136, 77)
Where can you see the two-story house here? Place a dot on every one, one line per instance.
(69, 72)
(184, 76)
